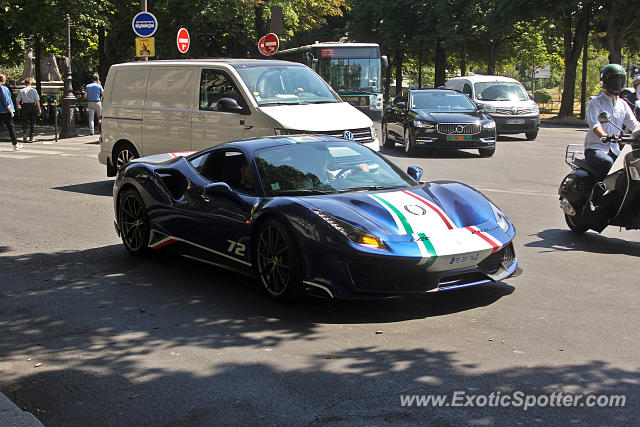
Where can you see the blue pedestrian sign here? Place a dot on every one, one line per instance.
(144, 24)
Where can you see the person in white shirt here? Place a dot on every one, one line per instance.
(29, 101)
(601, 155)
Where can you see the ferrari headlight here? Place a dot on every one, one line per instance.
(501, 219)
(424, 125)
(489, 125)
(353, 233)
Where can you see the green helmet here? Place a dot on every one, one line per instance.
(613, 78)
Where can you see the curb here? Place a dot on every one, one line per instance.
(12, 416)
(563, 123)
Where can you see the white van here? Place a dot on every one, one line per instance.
(188, 105)
(504, 99)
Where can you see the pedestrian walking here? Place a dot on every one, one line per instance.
(6, 112)
(29, 101)
(92, 93)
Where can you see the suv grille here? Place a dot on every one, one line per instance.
(515, 112)
(458, 128)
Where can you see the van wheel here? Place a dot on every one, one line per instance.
(124, 154)
(531, 135)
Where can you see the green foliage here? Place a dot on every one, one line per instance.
(542, 96)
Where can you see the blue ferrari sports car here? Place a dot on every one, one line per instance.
(314, 214)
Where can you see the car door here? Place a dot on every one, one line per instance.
(214, 122)
(396, 116)
(217, 207)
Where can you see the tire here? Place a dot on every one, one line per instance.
(386, 142)
(124, 154)
(409, 147)
(277, 261)
(487, 152)
(574, 224)
(134, 223)
(531, 135)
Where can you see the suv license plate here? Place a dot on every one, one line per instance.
(515, 121)
(458, 138)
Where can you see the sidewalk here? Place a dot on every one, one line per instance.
(552, 120)
(45, 134)
(12, 416)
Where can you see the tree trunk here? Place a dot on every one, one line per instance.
(37, 57)
(399, 58)
(420, 69)
(440, 63)
(491, 65)
(102, 63)
(614, 36)
(261, 27)
(573, 44)
(585, 58)
(463, 60)
(387, 82)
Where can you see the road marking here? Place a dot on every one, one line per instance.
(522, 192)
(14, 156)
(30, 151)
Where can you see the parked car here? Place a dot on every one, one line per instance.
(166, 106)
(349, 224)
(505, 100)
(437, 119)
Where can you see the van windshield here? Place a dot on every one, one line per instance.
(500, 91)
(286, 84)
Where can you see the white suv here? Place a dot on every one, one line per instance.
(504, 99)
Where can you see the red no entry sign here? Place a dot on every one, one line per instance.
(269, 44)
(183, 40)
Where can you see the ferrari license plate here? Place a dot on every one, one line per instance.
(515, 121)
(357, 100)
(458, 137)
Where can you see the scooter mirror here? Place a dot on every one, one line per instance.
(604, 117)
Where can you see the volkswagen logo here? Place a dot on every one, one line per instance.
(415, 210)
(348, 135)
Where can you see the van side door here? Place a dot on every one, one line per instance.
(166, 120)
(221, 111)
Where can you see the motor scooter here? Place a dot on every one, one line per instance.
(591, 205)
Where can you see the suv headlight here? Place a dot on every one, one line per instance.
(351, 232)
(424, 125)
(501, 218)
(489, 125)
(376, 103)
(374, 134)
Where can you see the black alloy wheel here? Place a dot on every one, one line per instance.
(386, 142)
(134, 223)
(125, 153)
(277, 261)
(409, 146)
(575, 224)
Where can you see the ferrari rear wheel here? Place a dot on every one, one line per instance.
(134, 223)
(386, 142)
(277, 261)
(575, 224)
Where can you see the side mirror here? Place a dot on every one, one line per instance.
(217, 189)
(481, 107)
(531, 97)
(638, 103)
(384, 61)
(229, 104)
(401, 105)
(604, 117)
(415, 173)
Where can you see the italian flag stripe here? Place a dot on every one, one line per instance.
(484, 236)
(403, 219)
(435, 208)
(430, 249)
(162, 242)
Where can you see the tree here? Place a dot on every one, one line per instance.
(617, 21)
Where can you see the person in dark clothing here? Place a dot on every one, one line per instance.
(6, 112)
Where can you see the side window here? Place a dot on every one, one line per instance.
(467, 90)
(214, 85)
(229, 166)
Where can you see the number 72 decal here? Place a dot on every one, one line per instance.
(236, 248)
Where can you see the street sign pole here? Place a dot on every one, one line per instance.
(69, 100)
(144, 9)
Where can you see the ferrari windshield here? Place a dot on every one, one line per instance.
(285, 84)
(500, 91)
(325, 167)
(437, 101)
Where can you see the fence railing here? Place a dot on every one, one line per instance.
(554, 106)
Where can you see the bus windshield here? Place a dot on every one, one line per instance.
(351, 74)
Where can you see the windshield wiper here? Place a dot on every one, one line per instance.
(305, 191)
(320, 102)
(370, 188)
(266, 104)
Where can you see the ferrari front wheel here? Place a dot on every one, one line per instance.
(277, 261)
(134, 223)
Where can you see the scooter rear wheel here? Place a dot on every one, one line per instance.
(574, 224)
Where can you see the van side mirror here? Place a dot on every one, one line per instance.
(217, 189)
(532, 97)
(229, 104)
(384, 61)
(415, 173)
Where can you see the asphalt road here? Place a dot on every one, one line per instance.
(92, 336)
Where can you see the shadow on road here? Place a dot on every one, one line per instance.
(398, 152)
(566, 240)
(98, 188)
(119, 338)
